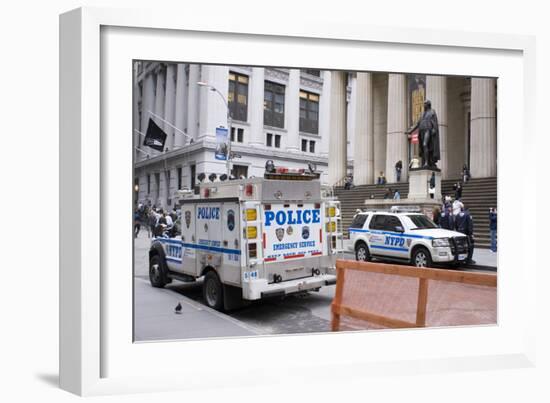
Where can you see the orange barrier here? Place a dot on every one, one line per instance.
(394, 296)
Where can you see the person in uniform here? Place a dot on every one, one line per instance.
(447, 220)
(465, 225)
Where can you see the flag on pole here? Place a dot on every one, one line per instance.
(155, 136)
(414, 136)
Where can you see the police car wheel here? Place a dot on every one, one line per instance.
(157, 272)
(362, 253)
(212, 290)
(421, 258)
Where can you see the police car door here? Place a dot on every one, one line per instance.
(188, 219)
(394, 240)
(231, 243)
(384, 240)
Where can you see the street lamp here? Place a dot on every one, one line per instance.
(229, 121)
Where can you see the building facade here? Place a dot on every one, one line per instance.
(345, 123)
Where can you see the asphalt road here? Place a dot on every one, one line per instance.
(308, 312)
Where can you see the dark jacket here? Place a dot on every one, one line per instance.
(464, 223)
(447, 221)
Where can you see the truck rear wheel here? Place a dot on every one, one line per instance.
(157, 272)
(212, 290)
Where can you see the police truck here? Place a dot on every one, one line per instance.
(252, 238)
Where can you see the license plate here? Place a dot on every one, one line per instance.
(462, 256)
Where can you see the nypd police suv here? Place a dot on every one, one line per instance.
(405, 236)
(252, 238)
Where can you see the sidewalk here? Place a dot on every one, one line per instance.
(483, 258)
(154, 317)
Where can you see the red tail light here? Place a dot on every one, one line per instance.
(206, 192)
(321, 236)
(249, 189)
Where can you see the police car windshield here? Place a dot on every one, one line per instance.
(421, 222)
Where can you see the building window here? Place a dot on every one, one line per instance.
(240, 134)
(269, 137)
(308, 146)
(239, 171)
(237, 96)
(274, 104)
(309, 112)
(311, 72)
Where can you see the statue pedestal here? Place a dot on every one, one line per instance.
(419, 185)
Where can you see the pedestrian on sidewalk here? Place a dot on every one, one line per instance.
(493, 228)
(447, 220)
(137, 225)
(381, 179)
(436, 214)
(458, 191)
(398, 169)
(465, 225)
(396, 195)
(465, 173)
(388, 194)
(458, 206)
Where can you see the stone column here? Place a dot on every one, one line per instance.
(324, 114)
(170, 106)
(436, 92)
(483, 142)
(363, 160)
(256, 107)
(213, 110)
(338, 137)
(159, 100)
(181, 111)
(292, 111)
(193, 101)
(148, 104)
(397, 145)
(380, 116)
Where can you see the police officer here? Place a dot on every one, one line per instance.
(447, 220)
(465, 225)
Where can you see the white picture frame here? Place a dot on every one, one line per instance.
(96, 355)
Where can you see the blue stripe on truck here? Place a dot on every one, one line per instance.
(201, 247)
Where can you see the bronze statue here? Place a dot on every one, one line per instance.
(428, 130)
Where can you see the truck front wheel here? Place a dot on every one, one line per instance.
(212, 290)
(421, 258)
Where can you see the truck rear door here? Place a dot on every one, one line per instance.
(292, 231)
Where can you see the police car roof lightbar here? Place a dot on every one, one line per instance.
(405, 209)
(273, 172)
